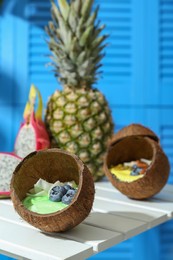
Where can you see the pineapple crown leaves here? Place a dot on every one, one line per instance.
(76, 42)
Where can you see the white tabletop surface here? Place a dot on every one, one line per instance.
(114, 218)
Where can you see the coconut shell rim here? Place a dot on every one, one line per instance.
(123, 133)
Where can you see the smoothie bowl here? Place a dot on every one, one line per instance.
(135, 162)
(52, 190)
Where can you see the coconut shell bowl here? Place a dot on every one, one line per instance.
(52, 165)
(133, 143)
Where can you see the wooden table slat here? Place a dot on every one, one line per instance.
(128, 227)
(99, 238)
(9, 215)
(152, 218)
(31, 243)
(165, 206)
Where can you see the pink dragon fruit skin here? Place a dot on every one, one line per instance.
(31, 137)
(8, 163)
(32, 133)
(42, 136)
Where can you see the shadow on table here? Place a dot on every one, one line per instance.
(92, 235)
(98, 227)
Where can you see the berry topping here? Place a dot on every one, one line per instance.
(134, 173)
(55, 196)
(134, 167)
(56, 193)
(67, 187)
(59, 188)
(68, 197)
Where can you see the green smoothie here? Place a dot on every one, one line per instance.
(42, 204)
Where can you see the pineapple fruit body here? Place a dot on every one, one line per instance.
(80, 122)
(78, 118)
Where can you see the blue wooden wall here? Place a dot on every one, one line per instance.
(137, 81)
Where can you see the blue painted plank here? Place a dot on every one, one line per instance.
(6, 128)
(7, 64)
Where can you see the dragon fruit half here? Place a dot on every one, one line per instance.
(8, 163)
(32, 133)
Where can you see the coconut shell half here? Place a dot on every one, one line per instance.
(52, 165)
(134, 130)
(133, 148)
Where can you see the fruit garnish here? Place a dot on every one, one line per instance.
(68, 197)
(67, 187)
(32, 134)
(63, 193)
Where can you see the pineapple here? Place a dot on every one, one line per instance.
(78, 117)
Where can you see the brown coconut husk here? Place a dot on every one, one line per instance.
(133, 130)
(52, 165)
(133, 148)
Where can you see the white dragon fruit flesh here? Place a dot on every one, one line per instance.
(31, 137)
(8, 163)
(32, 134)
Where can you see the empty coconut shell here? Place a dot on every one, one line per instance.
(134, 146)
(52, 165)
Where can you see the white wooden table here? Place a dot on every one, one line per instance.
(114, 219)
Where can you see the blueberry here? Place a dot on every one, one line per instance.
(56, 188)
(134, 167)
(59, 189)
(138, 170)
(56, 193)
(63, 190)
(55, 196)
(68, 197)
(67, 187)
(134, 173)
